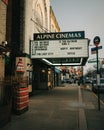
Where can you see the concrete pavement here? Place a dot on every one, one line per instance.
(63, 108)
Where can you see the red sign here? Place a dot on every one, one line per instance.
(20, 66)
(5, 1)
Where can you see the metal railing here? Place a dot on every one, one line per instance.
(6, 88)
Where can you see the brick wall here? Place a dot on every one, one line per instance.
(2, 21)
(2, 33)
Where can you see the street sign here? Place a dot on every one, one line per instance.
(96, 40)
(93, 50)
(92, 61)
(96, 43)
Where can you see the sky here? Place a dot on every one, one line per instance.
(82, 15)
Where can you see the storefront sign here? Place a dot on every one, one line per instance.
(59, 35)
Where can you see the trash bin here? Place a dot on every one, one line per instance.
(20, 97)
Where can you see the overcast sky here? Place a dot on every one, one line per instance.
(81, 15)
(76, 15)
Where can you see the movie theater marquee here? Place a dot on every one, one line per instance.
(59, 48)
(59, 45)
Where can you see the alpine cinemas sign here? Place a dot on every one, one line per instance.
(59, 45)
(59, 35)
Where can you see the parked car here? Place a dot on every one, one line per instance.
(66, 80)
(98, 88)
(87, 80)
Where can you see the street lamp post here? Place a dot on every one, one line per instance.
(96, 43)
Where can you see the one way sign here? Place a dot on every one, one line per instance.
(93, 50)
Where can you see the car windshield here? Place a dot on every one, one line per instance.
(101, 81)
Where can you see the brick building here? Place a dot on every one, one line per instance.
(3, 12)
(19, 20)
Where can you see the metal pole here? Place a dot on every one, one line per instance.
(97, 78)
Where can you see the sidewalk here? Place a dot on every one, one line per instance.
(63, 108)
(94, 117)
